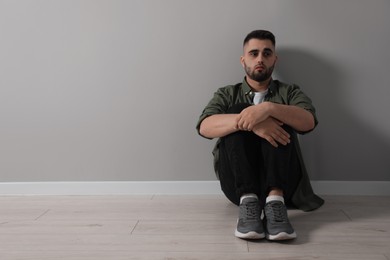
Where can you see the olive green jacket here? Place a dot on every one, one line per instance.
(278, 92)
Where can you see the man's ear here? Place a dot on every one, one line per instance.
(242, 60)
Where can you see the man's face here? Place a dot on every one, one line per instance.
(259, 59)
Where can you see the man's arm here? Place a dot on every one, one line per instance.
(218, 125)
(296, 117)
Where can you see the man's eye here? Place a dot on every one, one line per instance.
(267, 54)
(254, 54)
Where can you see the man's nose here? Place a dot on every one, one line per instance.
(260, 58)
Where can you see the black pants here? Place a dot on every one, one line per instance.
(250, 164)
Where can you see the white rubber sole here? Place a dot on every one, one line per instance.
(249, 235)
(281, 236)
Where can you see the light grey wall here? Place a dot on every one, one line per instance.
(111, 90)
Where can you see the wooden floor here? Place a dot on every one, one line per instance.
(183, 227)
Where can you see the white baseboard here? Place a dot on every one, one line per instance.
(110, 188)
(379, 188)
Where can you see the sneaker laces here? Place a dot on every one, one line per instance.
(251, 211)
(278, 212)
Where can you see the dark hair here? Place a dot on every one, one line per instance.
(260, 35)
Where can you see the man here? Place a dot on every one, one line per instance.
(257, 157)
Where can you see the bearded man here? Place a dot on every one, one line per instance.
(257, 157)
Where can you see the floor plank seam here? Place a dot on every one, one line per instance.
(345, 213)
(136, 224)
(247, 247)
(44, 213)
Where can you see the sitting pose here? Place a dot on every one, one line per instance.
(257, 157)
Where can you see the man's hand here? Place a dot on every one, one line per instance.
(251, 116)
(271, 130)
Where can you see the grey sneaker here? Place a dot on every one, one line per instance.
(249, 225)
(277, 225)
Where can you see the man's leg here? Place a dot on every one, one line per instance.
(281, 177)
(239, 154)
(238, 166)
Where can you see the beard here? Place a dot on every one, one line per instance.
(257, 75)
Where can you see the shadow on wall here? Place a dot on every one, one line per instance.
(342, 147)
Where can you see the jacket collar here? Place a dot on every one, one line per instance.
(248, 91)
